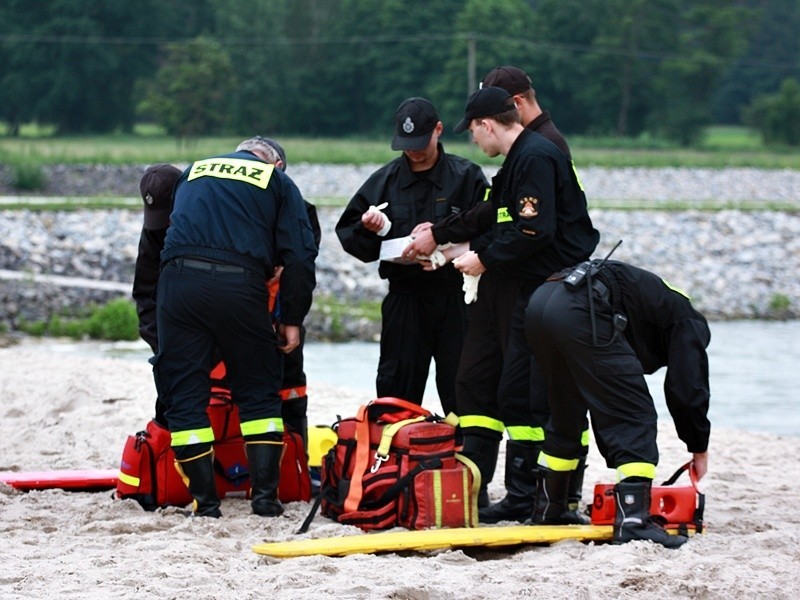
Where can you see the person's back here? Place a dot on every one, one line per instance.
(235, 217)
(593, 343)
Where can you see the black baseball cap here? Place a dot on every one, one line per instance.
(485, 102)
(156, 187)
(511, 79)
(414, 122)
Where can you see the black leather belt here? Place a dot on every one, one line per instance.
(194, 263)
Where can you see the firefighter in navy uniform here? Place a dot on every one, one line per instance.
(235, 217)
(423, 313)
(156, 188)
(594, 344)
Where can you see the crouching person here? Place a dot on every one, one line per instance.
(234, 218)
(594, 344)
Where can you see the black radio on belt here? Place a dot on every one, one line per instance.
(577, 277)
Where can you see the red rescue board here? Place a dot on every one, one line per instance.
(72, 480)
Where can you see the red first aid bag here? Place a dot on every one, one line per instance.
(395, 463)
(147, 468)
(676, 507)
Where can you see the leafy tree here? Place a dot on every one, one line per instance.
(777, 116)
(772, 54)
(501, 33)
(190, 93)
(708, 36)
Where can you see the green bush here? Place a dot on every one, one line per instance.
(777, 116)
(28, 176)
(116, 320)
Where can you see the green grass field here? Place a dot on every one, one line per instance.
(721, 147)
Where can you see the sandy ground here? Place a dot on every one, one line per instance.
(64, 412)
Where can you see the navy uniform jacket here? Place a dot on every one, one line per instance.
(665, 330)
(241, 210)
(453, 185)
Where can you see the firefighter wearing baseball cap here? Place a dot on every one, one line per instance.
(423, 312)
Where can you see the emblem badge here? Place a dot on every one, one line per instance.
(528, 207)
(408, 126)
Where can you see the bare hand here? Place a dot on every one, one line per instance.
(288, 338)
(423, 245)
(469, 264)
(421, 227)
(700, 462)
(373, 220)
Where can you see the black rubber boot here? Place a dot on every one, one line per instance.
(198, 475)
(521, 469)
(575, 493)
(483, 452)
(632, 520)
(264, 461)
(551, 499)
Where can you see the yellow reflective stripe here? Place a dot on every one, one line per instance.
(525, 433)
(249, 171)
(577, 177)
(636, 470)
(585, 438)
(557, 464)
(128, 479)
(487, 194)
(675, 288)
(502, 215)
(437, 497)
(476, 486)
(482, 421)
(465, 494)
(259, 426)
(192, 436)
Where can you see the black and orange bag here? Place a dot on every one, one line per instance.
(148, 475)
(396, 464)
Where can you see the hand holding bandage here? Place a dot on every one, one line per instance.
(443, 254)
(470, 288)
(375, 221)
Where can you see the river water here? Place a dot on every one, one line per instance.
(754, 365)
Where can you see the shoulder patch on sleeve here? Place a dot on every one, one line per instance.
(528, 207)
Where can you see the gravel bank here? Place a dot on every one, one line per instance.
(721, 186)
(734, 263)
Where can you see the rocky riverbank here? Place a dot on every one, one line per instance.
(734, 263)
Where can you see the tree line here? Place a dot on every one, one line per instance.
(664, 68)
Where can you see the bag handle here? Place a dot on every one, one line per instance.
(382, 453)
(689, 466)
(406, 408)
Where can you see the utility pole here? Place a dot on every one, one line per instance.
(471, 78)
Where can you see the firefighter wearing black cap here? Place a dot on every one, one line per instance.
(525, 431)
(541, 223)
(423, 312)
(594, 342)
(235, 217)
